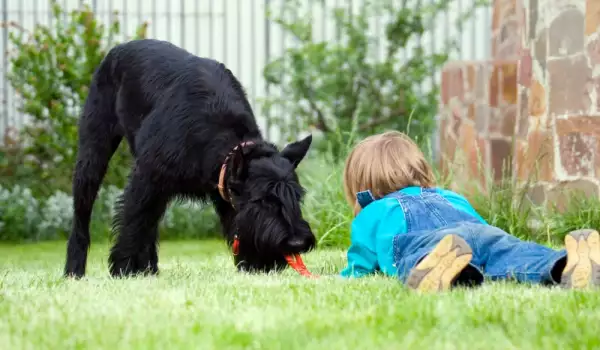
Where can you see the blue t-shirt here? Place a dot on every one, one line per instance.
(374, 228)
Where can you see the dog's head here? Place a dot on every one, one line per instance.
(266, 194)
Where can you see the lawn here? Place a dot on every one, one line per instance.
(200, 302)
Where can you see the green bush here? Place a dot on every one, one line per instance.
(345, 87)
(19, 214)
(51, 69)
(25, 218)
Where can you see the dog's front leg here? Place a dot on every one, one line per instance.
(140, 208)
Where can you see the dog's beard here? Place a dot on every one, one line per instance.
(304, 240)
(263, 232)
(266, 238)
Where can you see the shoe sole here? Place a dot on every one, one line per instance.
(440, 268)
(583, 260)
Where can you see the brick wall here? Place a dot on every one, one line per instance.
(533, 111)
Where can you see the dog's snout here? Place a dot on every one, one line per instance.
(299, 244)
(296, 243)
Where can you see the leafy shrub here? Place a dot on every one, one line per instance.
(345, 86)
(19, 214)
(189, 220)
(23, 217)
(12, 159)
(51, 69)
(55, 218)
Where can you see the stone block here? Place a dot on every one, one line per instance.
(566, 33)
(525, 68)
(537, 194)
(448, 146)
(577, 132)
(532, 19)
(482, 117)
(577, 152)
(537, 100)
(503, 83)
(467, 136)
(596, 86)
(501, 154)
(509, 121)
(477, 162)
(505, 29)
(569, 91)
(534, 158)
(582, 124)
(593, 50)
(502, 121)
(452, 85)
(508, 40)
(540, 49)
(523, 115)
(470, 71)
(481, 81)
(456, 121)
(592, 17)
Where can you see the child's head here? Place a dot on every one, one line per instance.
(385, 163)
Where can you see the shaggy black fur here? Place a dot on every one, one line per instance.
(181, 116)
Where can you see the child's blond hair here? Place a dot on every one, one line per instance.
(385, 163)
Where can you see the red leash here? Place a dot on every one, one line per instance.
(295, 261)
(236, 246)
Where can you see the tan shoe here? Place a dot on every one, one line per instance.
(440, 268)
(583, 260)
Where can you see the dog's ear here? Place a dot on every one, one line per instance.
(296, 151)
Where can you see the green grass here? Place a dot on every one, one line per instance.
(200, 302)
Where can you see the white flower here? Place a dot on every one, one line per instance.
(56, 214)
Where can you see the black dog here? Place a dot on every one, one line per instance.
(192, 133)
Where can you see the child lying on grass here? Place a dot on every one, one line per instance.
(432, 239)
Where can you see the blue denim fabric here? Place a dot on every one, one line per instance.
(497, 254)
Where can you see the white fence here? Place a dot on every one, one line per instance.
(235, 32)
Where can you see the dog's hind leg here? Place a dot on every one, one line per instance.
(99, 138)
(141, 207)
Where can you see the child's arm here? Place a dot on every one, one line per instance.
(362, 256)
(377, 223)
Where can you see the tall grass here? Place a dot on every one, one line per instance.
(581, 211)
(325, 206)
(505, 204)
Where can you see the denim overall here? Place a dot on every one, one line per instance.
(497, 254)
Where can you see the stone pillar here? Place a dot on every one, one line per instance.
(558, 129)
(479, 109)
(540, 92)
